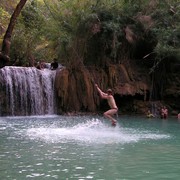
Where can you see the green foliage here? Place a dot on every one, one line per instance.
(19, 48)
(64, 21)
(167, 28)
(4, 15)
(6, 9)
(94, 29)
(29, 33)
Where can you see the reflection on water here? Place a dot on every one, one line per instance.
(62, 147)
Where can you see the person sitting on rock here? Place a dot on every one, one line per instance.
(149, 114)
(54, 65)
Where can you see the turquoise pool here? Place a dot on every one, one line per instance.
(87, 147)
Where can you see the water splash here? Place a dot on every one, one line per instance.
(92, 132)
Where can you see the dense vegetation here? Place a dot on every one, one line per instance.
(89, 30)
(126, 39)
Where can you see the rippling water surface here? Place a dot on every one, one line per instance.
(86, 147)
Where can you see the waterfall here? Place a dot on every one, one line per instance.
(27, 91)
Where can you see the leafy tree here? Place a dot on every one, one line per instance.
(4, 55)
(95, 31)
(29, 35)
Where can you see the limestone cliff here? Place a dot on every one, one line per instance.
(76, 91)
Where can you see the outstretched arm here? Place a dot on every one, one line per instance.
(102, 94)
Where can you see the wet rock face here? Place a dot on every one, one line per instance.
(131, 86)
(172, 91)
(75, 90)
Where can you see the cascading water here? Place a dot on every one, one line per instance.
(27, 91)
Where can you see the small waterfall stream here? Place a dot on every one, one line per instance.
(27, 91)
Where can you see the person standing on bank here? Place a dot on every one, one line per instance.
(111, 102)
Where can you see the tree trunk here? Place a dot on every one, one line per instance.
(4, 54)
